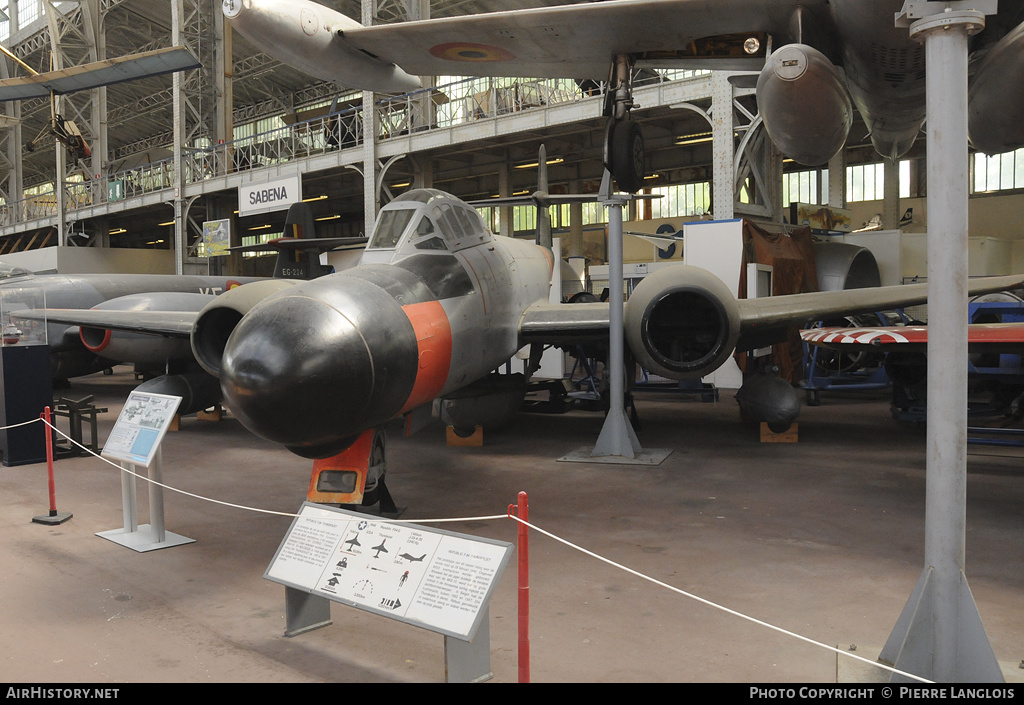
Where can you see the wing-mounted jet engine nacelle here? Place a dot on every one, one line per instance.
(804, 104)
(310, 37)
(996, 99)
(218, 319)
(682, 322)
(197, 390)
(139, 348)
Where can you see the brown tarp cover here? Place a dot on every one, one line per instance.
(791, 256)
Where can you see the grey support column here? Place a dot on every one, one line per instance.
(939, 635)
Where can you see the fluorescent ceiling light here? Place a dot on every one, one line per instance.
(553, 160)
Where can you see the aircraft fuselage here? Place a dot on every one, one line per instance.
(434, 306)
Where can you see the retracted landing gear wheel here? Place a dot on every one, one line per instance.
(626, 153)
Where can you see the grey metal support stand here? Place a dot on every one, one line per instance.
(617, 442)
(617, 436)
(939, 635)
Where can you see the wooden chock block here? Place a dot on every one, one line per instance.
(788, 436)
(214, 414)
(474, 440)
(175, 424)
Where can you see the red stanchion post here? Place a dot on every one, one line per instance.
(49, 460)
(523, 511)
(54, 517)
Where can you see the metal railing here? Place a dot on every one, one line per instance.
(441, 107)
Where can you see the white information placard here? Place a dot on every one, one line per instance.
(431, 578)
(140, 427)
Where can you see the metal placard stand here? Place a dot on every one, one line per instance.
(135, 443)
(429, 578)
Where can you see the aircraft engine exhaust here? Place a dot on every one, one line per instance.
(805, 106)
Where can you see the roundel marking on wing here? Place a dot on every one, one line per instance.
(468, 51)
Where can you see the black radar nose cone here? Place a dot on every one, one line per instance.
(297, 371)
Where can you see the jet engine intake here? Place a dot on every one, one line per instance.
(682, 322)
(218, 319)
(804, 104)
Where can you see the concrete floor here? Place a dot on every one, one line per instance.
(823, 537)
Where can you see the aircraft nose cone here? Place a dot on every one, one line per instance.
(298, 372)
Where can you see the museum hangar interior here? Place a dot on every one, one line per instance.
(819, 532)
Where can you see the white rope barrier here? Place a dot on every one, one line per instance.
(716, 605)
(160, 484)
(534, 527)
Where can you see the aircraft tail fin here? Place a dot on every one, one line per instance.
(298, 250)
(295, 263)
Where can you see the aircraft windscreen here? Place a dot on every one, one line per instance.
(390, 228)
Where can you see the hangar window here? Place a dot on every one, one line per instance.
(29, 11)
(998, 172)
(866, 182)
(250, 240)
(805, 186)
(681, 199)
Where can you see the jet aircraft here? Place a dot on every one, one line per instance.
(76, 351)
(80, 349)
(814, 60)
(437, 304)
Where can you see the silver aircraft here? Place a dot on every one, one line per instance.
(77, 349)
(436, 304)
(813, 61)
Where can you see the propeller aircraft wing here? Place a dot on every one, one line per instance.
(99, 73)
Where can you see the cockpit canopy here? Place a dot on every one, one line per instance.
(8, 271)
(427, 219)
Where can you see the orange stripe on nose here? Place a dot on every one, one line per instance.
(434, 346)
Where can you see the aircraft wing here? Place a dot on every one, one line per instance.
(572, 41)
(563, 324)
(762, 321)
(174, 324)
(99, 73)
(981, 337)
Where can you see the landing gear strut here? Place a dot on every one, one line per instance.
(623, 142)
(354, 477)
